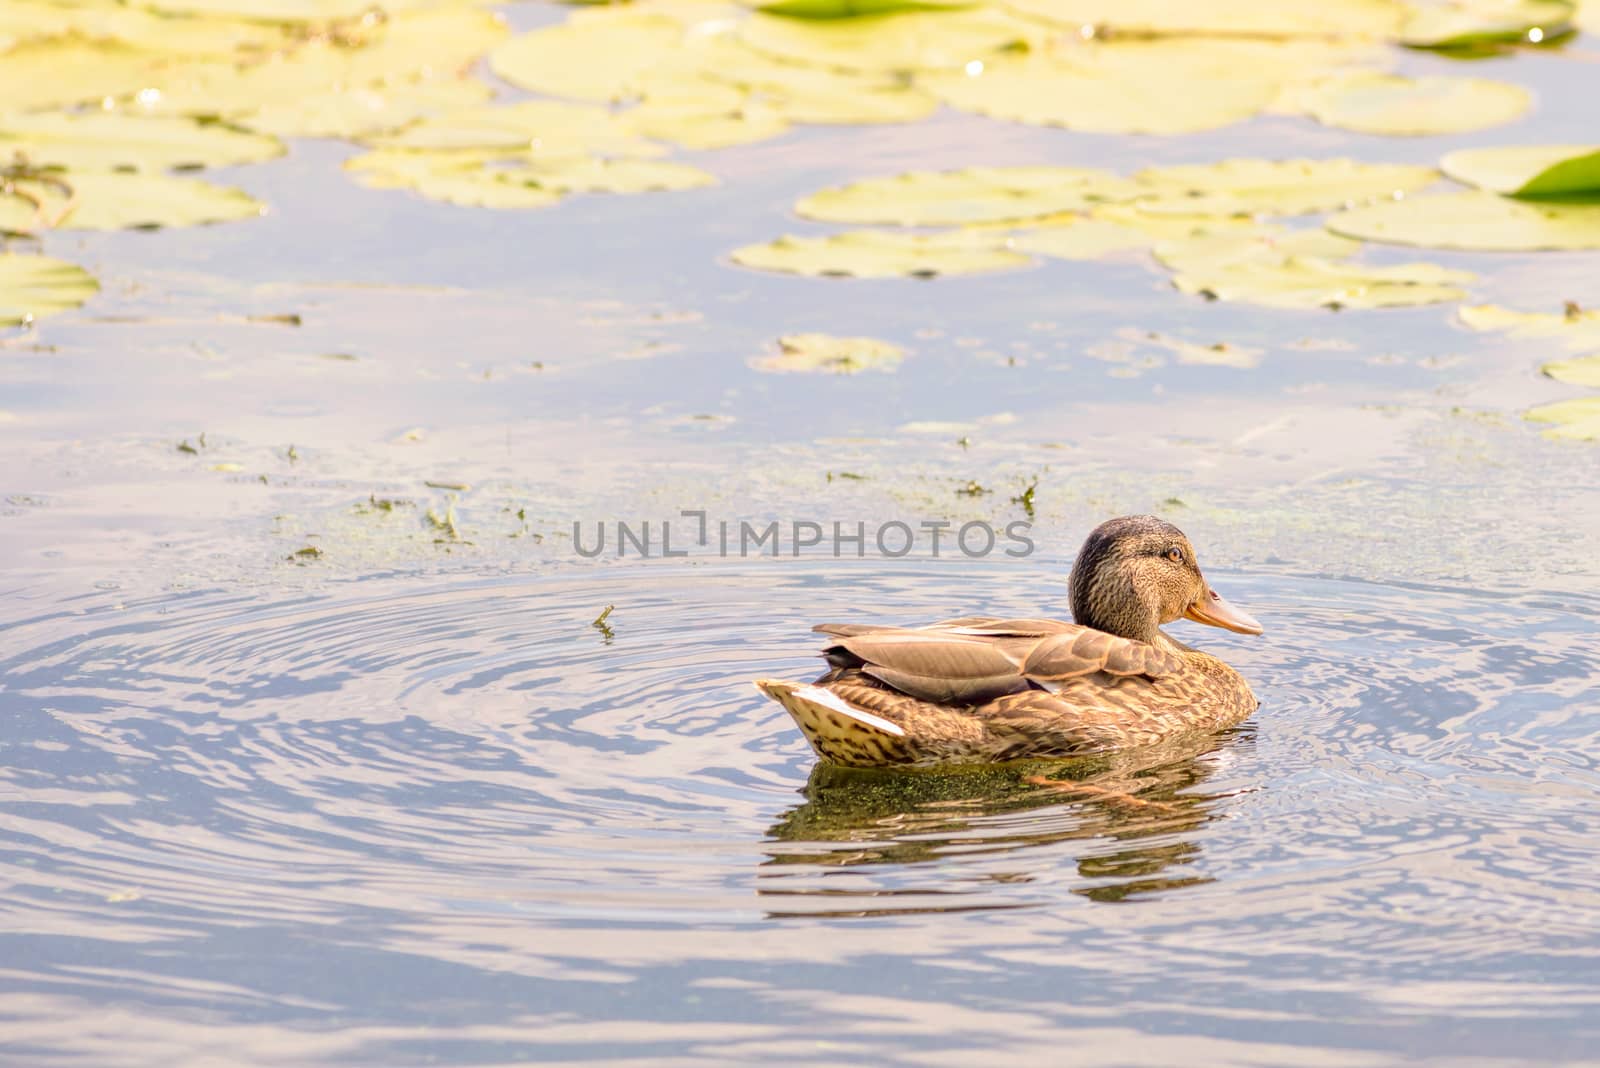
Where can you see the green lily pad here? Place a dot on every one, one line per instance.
(827, 354)
(1276, 187)
(1583, 371)
(1531, 171)
(1474, 221)
(1574, 420)
(108, 140)
(1480, 23)
(32, 287)
(881, 254)
(1283, 18)
(1386, 104)
(906, 41)
(977, 194)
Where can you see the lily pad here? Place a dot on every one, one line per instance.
(880, 254)
(361, 111)
(547, 127)
(601, 58)
(614, 176)
(1080, 238)
(905, 41)
(1474, 221)
(1576, 420)
(32, 287)
(120, 201)
(1283, 18)
(63, 71)
(1276, 187)
(461, 177)
(1369, 102)
(977, 194)
(1583, 371)
(1301, 269)
(1479, 23)
(1532, 171)
(703, 130)
(108, 140)
(1574, 328)
(827, 354)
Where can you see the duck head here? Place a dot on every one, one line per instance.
(1136, 573)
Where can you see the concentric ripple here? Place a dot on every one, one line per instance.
(263, 806)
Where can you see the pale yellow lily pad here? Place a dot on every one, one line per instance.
(1574, 328)
(1080, 238)
(1554, 171)
(120, 201)
(362, 111)
(880, 254)
(1301, 269)
(285, 10)
(1583, 371)
(908, 41)
(827, 354)
(702, 131)
(1393, 106)
(1276, 187)
(600, 58)
(1281, 18)
(460, 177)
(548, 127)
(32, 287)
(616, 176)
(976, 194)
(107, 140)
(69, 70)
(1474, 221)
(1573, 420)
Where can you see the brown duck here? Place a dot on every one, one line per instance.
(982, 689)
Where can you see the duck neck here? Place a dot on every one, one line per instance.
(1108, 601)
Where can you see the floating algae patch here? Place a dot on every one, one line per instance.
(32, 287)
(1475, 222)
(972, 195)
(827, 354)
(881, 254)
(1532, 171)
(1276, 187)
(1393, 106)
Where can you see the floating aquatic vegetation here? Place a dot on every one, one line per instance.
(476, 179)
(99, 141)
(880, 254)
(1531, 171)
(976, 194)
(602, 55)
(1573, 328)
(827, 354)
(360, 111)
(1301, 269)
(1474, 221)
(1283, 18)
(1583, 371)
(32, 287)
(891, 43)
(117, 201)
(542, 127)
(1387, 104)
(1577, 419)
(1276, 187)
(1486, 25)
(1151, 86)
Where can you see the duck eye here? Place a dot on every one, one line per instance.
(1175, 555)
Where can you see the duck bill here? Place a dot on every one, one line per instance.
(1213, 611)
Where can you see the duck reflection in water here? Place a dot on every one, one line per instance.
(882, 825)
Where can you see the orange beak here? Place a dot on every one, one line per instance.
(1213, 611)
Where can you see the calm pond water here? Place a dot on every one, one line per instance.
(401, 803)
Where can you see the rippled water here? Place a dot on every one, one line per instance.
(403, 820)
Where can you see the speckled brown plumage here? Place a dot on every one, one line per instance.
(988, 689)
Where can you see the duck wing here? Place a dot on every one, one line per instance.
(973, 660)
